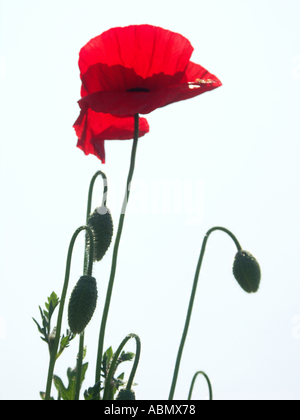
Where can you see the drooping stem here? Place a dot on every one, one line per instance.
(115, 251)
(114, 361)
(53, 355)
(90, 194)
(89, 206)
(208, 383)
(192, 297)
(88, 257)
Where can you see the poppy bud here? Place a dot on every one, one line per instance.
(246, 270)
(82, 303)
(102, 227)
(126, 394)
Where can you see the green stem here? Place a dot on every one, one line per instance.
(90, 194)
(111, 371)
(79, 366)
(89, 206)
(208, 383)
(115, 251)
(88, 212)
(190, 307)
(53, 355)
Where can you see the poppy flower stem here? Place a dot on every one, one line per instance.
(53, 355)
(192, 297)
(115, 251)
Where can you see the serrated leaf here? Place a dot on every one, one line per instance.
(121, 377)
(106, 360)
(43, 395)
(38, 326)
(65, 342)
(92, 392)
(69, 392)
(126, 356)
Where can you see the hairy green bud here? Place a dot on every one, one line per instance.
(246, 270)
(100, 221)
(82, 303)
(126, 394)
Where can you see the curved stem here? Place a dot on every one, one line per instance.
(192, 297)
(89, 206)
(114, 361)
(81, 337)
(115, 251)
(86, 270)
(90, 194)
(208, 383)
(62, 303)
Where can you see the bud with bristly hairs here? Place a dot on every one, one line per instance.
(246, 270)
(82, 303)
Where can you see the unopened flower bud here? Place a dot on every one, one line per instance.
(82, 303)
(246, 270)
(126, 394)
(102, 227)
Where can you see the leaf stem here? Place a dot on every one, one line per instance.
(192, 297)
(115, 251)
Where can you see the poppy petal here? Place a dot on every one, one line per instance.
(195, 81)
(93, 128)
(147, 50)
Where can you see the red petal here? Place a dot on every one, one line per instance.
(146, 49)
(93, 128)
(195, 81)
(139, 68)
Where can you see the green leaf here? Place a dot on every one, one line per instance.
(106, 361)
(126, 356)
(46, 316)
(53, 302)
(68, 393)
(92, 392)
(121, 376)
(65, 342)
(43, 395)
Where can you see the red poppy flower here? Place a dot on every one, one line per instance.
(92, 128)
(139, 68)
(132, 70)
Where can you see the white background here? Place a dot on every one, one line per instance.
(232, 153)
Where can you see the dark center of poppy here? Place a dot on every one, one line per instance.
(138, 89)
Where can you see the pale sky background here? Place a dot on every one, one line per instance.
(233, 157)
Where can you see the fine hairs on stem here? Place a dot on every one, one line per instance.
(114, 361)
(85, 264)
(192, 297)
(115, 251)
(62, 301)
